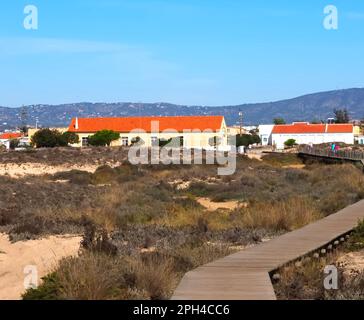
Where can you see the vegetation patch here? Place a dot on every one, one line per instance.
(305, 280)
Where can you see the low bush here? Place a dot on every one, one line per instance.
(103, 175)
(74, 176)
(49, 290)
(356, 241)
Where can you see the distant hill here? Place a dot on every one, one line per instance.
(310, 107)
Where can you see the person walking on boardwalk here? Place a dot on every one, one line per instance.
(337, 148)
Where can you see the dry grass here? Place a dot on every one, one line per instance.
(137, 208)
(89, 277)
(307, 282)
(281, 160)
(155, 276)
(303, 282)
(291, 214)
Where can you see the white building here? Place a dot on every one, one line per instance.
(360, 139)
(265, 134)
(5, 138)
(305, 133)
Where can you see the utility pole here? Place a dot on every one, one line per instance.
(24, 118)
(241, 123)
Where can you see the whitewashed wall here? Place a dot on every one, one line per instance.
(279, 139)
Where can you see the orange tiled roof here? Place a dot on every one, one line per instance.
(10, 135)
(340, 128)
(90, 125)
(304, 127)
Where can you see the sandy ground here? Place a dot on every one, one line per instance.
(352, 262)
(294, 166)
(21, 170)
(257, 156)
(43, 254)
(184, 185)
(212, 206)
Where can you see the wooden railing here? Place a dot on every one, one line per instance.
(345, 154)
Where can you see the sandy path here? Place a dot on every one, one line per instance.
(213, 206)
(20, 170)
(43, 253)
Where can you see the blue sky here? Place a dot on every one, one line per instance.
(206, 52)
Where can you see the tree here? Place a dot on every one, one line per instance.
(14, 143)
(247, 140)
(103, 138)
(290, 143)
(255, 139)
(137, 141)
(47, 138)
(341, 116)
(24, 129)
(278, 121)
(316, 121)
(70, 137)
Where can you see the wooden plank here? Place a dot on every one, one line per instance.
(245, 274)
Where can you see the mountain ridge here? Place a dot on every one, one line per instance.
(309, 107)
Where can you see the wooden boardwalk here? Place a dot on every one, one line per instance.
(350, 155)
(246, 275)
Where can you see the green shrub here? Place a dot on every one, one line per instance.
(47, 138)
(74, 176)
(290, 143)
(70, 137)
(14, 143)
(48, 290)
(103, 175)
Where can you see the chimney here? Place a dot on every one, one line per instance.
(76, 124)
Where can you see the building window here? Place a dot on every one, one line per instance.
(84, 142)
(124, 141)
(154, 141)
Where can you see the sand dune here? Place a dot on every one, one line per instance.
(44, 254)
(21, 170)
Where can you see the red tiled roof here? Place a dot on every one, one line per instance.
(304, 127)
(10, 135)
(340, 128)
(89, 125)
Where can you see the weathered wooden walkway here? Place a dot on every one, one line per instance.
(246, 274)
(354, 156)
